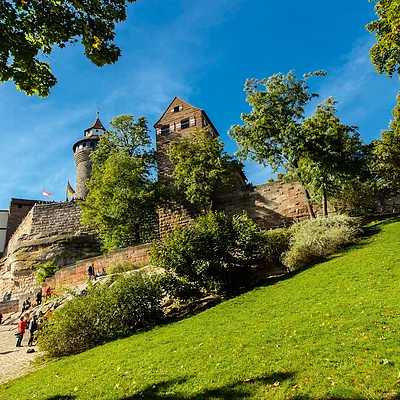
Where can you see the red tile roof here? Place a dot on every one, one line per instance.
(96, 125)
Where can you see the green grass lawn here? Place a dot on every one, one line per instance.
(329, 332)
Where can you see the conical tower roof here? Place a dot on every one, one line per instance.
(96, 125)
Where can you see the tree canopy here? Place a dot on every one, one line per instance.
(387, 154)
(333, 152)
(272, 131)
(201, 167)
(121, 204)
(385, 53)
(29, 30)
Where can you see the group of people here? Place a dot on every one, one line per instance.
(92, 274)
(32, 325)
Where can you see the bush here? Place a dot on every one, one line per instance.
(208, 255)
(121, 267)
(43, 271)
(316, 238)
(276, 243)
(105, 313)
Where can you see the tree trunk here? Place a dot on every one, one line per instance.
(324, 203)
(309, 206)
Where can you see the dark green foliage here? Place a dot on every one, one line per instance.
(317, 238)
(210, 254)
(105, 313)
(31, 29)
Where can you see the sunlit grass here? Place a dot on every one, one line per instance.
(328, 332)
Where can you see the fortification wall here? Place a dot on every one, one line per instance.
(55, 218)
(9, 306)
(77, 274)
(24, 229)
(270, 205)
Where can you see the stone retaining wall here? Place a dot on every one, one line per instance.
(9, 306)
(77, 274)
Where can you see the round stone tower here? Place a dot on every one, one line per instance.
(82, 149)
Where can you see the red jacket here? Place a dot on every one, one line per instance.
(21, 326)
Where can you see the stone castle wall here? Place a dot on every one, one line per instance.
(56, 217)
(18, 210)
(77, 274)
(270, 205)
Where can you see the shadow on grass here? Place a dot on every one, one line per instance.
(236, 390)
(60, 397)
(349, 397)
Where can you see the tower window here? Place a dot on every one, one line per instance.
(185, 124)
(165, 130)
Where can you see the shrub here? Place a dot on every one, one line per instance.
(316, 238)
(105, 313)
(121, 267)
(276, 242)
(208, 255)
(43, 271)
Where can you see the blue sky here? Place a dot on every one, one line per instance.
(201, 51)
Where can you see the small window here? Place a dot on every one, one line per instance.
(177, 109)
(84, 144)
(91, 144)
(185, 124)
(165, 130)
(205, 123)
(19, 205)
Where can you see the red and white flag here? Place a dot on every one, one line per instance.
(46, 193)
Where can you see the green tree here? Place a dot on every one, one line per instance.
(387, 154)
(121, 204)
(333, 153)
(201, 167)
(385, 53)
(30, 29)
(272, 131)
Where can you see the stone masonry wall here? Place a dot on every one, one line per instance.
(9, 306)
(83, 171)
(56, 217)
(77, 274)
(270, 205)
(18, 210)
(23, 229)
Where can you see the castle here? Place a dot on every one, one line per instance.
(36, 232)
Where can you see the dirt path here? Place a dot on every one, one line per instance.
(15, 361)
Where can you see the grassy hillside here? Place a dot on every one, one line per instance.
(328, 332)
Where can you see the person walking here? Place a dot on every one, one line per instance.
(39, 298)
(22, 324)
(32, 328)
